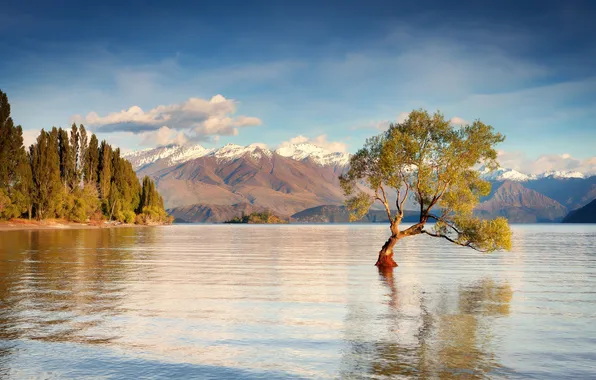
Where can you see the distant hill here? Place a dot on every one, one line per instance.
(570, 192)
(586, 214)
(212, 213)
(520, 205)
(340, 214)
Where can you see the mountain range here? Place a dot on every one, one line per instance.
(213, 185)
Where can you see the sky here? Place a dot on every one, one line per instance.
(142, 74)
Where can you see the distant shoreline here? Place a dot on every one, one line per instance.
(25, 224)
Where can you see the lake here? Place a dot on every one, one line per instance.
(294, 301)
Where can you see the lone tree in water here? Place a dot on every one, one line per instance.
(431, 162)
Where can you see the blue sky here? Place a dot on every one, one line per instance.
(331, 72)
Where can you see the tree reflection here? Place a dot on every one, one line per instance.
(64, 285)
(439, 335)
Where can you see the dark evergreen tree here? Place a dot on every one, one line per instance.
(83, 144)
(92, 161)
(151, 209)
(73, 164)
(105, 169)
(13, 159)
(45, 169)
(65, 157)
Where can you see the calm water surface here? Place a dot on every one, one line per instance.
(225, 301)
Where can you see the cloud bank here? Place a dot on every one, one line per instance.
(548, 162)
(195, 119)
(320, 141)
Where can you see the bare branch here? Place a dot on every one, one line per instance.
(468, 244)
(436, 198)
(448, 224)
(401, 203)
(384, 200)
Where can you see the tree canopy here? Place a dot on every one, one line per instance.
(433, 163)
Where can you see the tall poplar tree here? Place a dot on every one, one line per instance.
(65, 157)
(92, 160)
(13, 160)
(73, 163)
(83, 144)
(45, 169)
(105, 174)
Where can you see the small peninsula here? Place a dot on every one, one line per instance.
(257, 218)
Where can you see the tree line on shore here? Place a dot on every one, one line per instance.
(70, 176)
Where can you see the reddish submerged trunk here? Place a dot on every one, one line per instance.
(385, 259)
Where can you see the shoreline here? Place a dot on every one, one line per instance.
(53, 224)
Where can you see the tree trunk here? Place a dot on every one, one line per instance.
(385, 259)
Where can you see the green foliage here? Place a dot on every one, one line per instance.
(91, 165)
(105, 170)
(66, 157)
(265, 217)
(5, 203)
(83, 149)
(153, 215)
(129, 216)
(45, 169)
(72, 177)
(432, 162)
(151, 209)
(359, 205)
(73, 163)
(15, 174)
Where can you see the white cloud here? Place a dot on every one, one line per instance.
(260, 145)
(163, 136)
(456, 120)
(197, 119)
(548, 162)
(403, 116)
(320, 141)
(29, 137)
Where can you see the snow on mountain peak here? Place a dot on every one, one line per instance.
(233, 151)
(562, 174)
(188, 152)
(303, 151)
(502, 174)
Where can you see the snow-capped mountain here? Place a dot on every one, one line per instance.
(504, 174)
(172, 154)
(176, 154)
